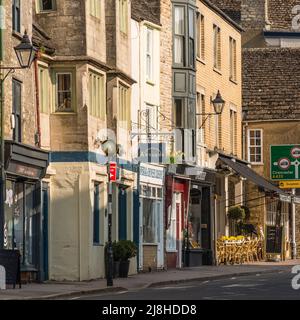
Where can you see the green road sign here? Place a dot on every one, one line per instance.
(285, 162)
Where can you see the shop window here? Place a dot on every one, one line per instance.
(96, 214)
(16, 110)
(149, 221)
(47, 5)
(16, 15)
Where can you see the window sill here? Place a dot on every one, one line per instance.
(256, 163)
(171, 251)
(17, 35)
(201, 60)
(217, 71)
(150, 244)
(47, 11)
(151, 83)
(64, 113)
(233, 81)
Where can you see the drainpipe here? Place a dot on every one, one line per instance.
(37, 98)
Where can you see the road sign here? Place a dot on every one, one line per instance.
(289, 184)
(113, 172)
(285, 163)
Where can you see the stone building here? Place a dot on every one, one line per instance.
(25, 163)
(85, 100)
(270, 96)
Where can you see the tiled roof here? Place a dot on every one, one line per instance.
(271, 83)
(41, 39)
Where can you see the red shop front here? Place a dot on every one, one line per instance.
(177, 203)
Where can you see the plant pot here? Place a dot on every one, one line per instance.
(124, 269)
(116, 269)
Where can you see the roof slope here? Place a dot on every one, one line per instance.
(271, 83)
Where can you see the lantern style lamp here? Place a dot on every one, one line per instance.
(218, 103)
(25, 52)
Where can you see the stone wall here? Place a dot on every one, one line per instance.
(146, 10)
(231, 7)
(25, 76)
(66, 27)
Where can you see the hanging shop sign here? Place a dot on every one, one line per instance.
(151, 174)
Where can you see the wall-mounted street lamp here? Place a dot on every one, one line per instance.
(26, 53)
(218, 104)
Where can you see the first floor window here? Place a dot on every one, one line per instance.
(95, 8)
(123, 110)
(44, 89)
(97, 95)
(149, 55)
(233, 132)
(255, 146)
(47, 5)
(16, 15)
(64, 92)
(96, 214)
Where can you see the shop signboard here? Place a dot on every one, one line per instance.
(151, 174)
(285, 162)
(273, 240)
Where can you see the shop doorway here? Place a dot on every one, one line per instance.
(45, 217)
(122, 213)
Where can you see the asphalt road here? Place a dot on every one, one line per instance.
(275, 286)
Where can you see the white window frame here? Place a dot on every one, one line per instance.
(200, 36)
(149, 53)
(232, 59)
(233, 130)
(44, 96)
(249, 146)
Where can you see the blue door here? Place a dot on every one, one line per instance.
(122, 213)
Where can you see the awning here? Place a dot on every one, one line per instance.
(250, 174)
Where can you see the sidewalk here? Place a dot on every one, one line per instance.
(52, 290)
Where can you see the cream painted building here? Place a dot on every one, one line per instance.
(85, 92)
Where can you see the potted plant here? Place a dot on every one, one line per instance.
(236, 213)
(117, 255)
(127, 250)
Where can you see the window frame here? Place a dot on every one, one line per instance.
(96, 82)
(149, 54)
(44, 96)
(17, 114)
(96, 214)
(55, 73)
(233, 131)
(249, 146)
(123, 16)
(123, 96)
(179, 36)
(217, 48)
(232, 59)
(42, 10)
(95, 8)
(16, 16)
(200, 37)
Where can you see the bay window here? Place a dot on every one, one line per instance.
(179, 35)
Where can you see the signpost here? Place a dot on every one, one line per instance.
(285, 162)
(284, 167)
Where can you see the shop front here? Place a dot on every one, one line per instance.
(177, 204)
(198, 249)
(151, 250)
(25, 167)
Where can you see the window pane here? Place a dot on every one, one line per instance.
(191, 24)
(179, 20)
(64, 92)
(48, 4)
(96, 222)
(149, 221)
(178, 49)
(178, 113)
